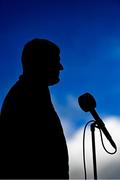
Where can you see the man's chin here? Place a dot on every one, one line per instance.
(53, 82)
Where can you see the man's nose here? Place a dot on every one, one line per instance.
(61, 66)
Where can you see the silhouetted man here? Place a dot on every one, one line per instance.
(32, 140)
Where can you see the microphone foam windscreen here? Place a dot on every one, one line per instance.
(87, 102)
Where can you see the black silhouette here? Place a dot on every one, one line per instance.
(31, 136)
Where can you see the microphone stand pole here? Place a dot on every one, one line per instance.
(93, 125)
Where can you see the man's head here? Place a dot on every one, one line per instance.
(41, 59)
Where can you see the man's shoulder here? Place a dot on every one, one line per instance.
(12, 94)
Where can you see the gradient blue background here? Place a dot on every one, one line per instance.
(88, 34)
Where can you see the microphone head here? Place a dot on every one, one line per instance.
(87, 102)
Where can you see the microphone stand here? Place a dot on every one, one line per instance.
(93, 125)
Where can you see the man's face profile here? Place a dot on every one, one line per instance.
(41, 60)
(54, 68)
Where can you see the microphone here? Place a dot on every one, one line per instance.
(88, 104)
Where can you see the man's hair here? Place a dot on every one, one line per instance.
(37, 52)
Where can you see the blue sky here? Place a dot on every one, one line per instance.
(88, 34)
